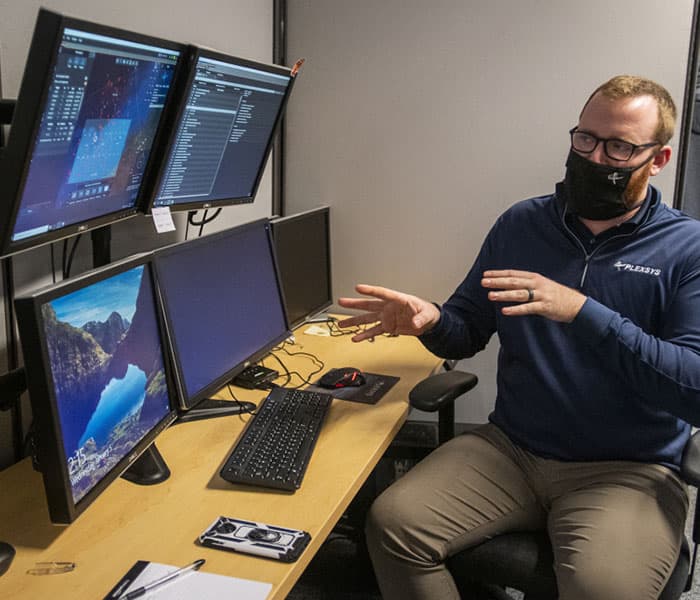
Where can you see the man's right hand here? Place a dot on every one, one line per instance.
(393, 312)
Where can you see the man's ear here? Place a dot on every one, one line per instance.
(661, 159)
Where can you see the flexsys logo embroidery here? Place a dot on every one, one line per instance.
(623, 266)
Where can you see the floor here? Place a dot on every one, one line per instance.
(336, 573)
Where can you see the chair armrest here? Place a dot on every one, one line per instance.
(690, 463)
(436, 391)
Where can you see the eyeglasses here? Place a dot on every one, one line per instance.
(616, 149)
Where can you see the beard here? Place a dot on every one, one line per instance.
(636, 189)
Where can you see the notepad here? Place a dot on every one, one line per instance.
(197, 584)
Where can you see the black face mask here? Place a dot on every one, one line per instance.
(594, 191)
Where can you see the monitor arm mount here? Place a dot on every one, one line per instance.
(12, 385)
(7, 109)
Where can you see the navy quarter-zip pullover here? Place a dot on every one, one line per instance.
(620, 382)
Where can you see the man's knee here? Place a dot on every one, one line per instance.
(393, 527)
(386, 521)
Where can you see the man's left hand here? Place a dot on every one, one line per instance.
(533, 294)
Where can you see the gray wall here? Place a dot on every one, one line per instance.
(239, 27)
(419, 121)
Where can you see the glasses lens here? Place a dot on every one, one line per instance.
(583, 142)
(618, 149)
(615, 149)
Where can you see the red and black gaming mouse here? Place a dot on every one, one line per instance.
(342, 377)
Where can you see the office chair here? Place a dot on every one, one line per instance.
(523, 560)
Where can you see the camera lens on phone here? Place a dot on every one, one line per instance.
(226, 527)
(263, 535)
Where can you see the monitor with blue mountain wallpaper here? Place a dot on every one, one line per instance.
(97, 379)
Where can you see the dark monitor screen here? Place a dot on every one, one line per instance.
(87, 115)
(223, 132)
(98, 385)
(302, 246)
(222, 304)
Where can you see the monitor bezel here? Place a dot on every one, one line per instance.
(26, 122)
(175, 116)
(278, 222)
(185, 401)
(48, 441)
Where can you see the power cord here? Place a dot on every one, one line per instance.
(306, 380)
(240, 403)
(203, 221)
(69, 256)
(336, 331)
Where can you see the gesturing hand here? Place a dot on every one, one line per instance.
(393, 312)
(534, 295)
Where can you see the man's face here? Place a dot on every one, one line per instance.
(633, 120)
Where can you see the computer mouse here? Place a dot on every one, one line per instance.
(7, 553)
(342, 377)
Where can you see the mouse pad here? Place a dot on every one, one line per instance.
(373, 389)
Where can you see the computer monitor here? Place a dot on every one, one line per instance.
(98, 379)
(222, 304)
(223, 132)
(88, 111)
(302, 245)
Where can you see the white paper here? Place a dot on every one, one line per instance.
(198, 585)
(162, 219)
(320, 330)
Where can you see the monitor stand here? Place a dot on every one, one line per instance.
(148, 469)
(322, 317)
(7, 553)
(210, 408)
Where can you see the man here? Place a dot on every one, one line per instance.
(594, 292)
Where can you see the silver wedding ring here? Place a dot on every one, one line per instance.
(530, 294)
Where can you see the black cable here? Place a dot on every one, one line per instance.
(313, 357)
(204, 221)
(53, 263)
(288, 342)
(335, 331)
(190, 215)
(306, 380)
(64, 257)
(241, 405)
(68, 263)
(284, 367)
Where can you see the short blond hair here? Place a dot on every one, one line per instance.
(632, 86)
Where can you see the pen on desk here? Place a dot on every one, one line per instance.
(138, 592)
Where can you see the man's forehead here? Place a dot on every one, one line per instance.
(635, 116)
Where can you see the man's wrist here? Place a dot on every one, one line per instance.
(434, 321)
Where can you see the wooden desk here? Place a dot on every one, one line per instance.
(160, 523)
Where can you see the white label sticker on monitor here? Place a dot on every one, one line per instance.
(163, 219)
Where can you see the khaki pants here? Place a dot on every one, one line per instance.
(616, 527)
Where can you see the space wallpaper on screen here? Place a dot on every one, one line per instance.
(108, 372)
(100, 169)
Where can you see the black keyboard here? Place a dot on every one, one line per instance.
(276, 446)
